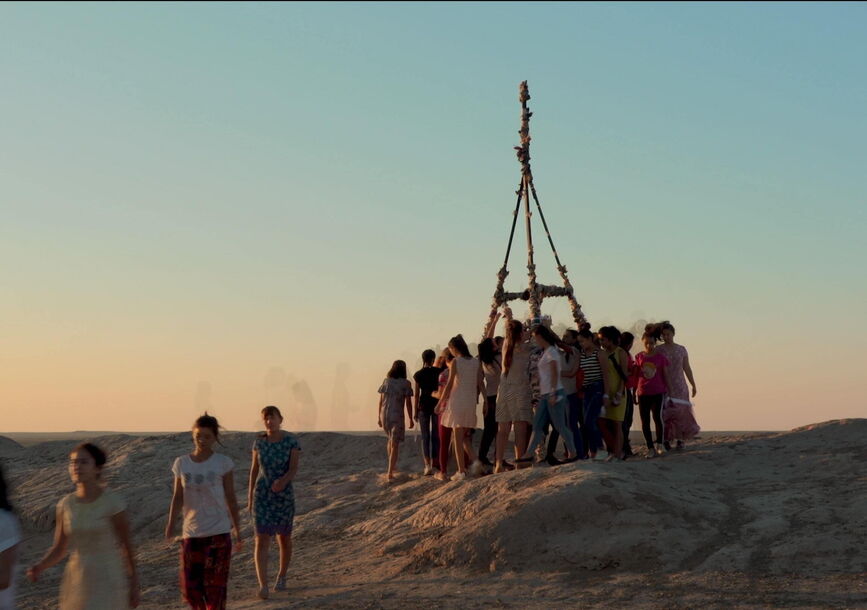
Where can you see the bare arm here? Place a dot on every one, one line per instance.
(55, 553)
(121, 530)
(480, 384)
(379, 410)
(688, 370)
(606, 381)
(232, 503)
(287, 478)
(450, 383)
(553, 366)
(7, 560)
(492, 325)
(175, 508)
(408, 401)
(254, 474)
(417, 399)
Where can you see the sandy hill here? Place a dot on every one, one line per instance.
(736, 520)
(8, 447)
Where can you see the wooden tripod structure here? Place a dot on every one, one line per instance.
(535, 292)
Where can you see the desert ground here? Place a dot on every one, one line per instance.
(747, 520)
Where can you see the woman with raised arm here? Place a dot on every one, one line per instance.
(204, 492)
(553, 404)
(271, 497)
(91, 524)
(678, 415)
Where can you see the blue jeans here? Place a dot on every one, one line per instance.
(574, 419)
(592, 407)
(555, 415)
(430, 438)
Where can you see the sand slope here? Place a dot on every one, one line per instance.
(736, 520)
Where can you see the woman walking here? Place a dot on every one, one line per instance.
(514, 396)
(553, 404)
(461, 395)
(91, 523)
(678, 416)
(270, 497)
(204, 492)
(10, 540)
(627, 340)
(426, 385)
(652, 386)
(395, 394)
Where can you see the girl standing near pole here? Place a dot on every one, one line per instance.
(204, 492)
(270, 497)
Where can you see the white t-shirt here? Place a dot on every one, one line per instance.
(205, 510)
(546, 383)
(10, 535)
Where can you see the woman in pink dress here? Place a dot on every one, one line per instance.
(678, 417)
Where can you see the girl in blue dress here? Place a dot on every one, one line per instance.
(271, 497)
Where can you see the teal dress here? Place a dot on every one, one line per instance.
(274, 513)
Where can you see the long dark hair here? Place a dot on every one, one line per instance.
(486, 351)
(459, 344)
(210, 422)
(397, 370)
(513, 335)
(626, 340)
(4, 495)
(611, 333)
(547, 334)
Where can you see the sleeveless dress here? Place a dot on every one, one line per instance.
(514, 396)
(612, 411)
(460, 411)
(274, 513)
(677, 416)
(94, 578)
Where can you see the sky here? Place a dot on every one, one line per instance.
(219, 206)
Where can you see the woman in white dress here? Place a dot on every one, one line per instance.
(461, 396)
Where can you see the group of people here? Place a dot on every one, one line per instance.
(581, 389)
(92, 523)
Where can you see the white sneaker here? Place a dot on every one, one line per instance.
(476, 468)
(428, 471)
(459, 476)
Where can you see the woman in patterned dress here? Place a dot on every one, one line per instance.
(677, 415)
(395, 394)
(270, 496)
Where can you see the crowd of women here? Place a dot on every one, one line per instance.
(92, 523)
(581, 389)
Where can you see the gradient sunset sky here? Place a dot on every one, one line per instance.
(222, 206)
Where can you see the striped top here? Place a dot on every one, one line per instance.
(591, 368)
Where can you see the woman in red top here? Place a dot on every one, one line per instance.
(653, 384)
